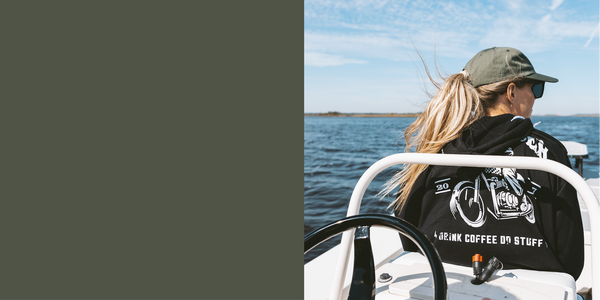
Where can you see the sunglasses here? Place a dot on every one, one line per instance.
(537, 88)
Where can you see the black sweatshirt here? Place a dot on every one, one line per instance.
(527, 219)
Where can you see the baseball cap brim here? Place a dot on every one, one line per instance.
(540, 77)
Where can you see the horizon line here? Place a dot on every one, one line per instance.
(333, 113)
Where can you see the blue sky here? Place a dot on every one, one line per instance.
(358, 55)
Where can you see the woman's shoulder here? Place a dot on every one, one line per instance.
(546, 146)
(549, 141)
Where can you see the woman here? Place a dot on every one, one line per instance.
(527, 219)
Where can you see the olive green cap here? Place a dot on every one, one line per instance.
(501, 63)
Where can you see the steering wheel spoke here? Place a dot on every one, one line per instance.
(363, 276)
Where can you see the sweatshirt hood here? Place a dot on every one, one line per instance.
(491, 135)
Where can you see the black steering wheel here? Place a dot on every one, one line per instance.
(363, 277)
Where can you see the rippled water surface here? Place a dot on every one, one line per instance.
(337, 150)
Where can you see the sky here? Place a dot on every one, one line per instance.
(362, 56)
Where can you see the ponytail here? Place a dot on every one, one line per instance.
(454, 107)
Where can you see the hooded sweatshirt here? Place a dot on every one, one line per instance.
(527, 219)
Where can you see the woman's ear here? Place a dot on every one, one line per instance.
(510, 92)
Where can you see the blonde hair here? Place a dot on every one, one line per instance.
(456, 105)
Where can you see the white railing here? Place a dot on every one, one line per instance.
(519, 162)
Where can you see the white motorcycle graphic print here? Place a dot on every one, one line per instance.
(508, 198)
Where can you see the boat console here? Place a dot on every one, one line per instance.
(409, 277)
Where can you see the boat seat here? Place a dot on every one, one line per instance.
(578, 151)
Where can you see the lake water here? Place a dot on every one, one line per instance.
(337, 151)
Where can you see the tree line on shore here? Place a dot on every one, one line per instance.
(339, 114)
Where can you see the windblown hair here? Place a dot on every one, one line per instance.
(455, 106)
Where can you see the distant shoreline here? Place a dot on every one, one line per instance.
(411, 115)
(368, 115)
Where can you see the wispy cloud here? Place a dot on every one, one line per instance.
(513, 5)
(357, 45)
(388, 45)
(324, 60)
(555, 4)
(592, 36)
(530, 35)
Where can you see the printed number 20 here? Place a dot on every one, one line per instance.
(442, 186)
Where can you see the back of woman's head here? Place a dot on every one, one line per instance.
(461, 99)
